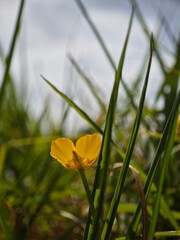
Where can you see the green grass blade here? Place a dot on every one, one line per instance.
(167, 234)
(73, 105)
(121, 178)
(11, 52)
(167, 151)
(159, 235)
(103, 164)
(135, 221)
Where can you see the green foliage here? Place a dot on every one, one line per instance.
(133, 192)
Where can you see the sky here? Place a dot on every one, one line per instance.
(53, 29)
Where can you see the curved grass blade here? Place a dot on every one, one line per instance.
(121, 178)
(73, 105)
(11, 52)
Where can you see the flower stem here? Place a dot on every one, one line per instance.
(87, 190)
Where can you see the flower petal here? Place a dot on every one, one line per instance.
(61, 150)
(88, 147)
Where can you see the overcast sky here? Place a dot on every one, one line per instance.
(52, 29)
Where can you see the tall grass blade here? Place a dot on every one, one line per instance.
(103, 164)
(11, 52)
(121, 178)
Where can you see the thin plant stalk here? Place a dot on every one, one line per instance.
(11, 52)
(87, 190)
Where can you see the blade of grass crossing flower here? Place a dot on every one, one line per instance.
(165, 137)
(81, 113)
(73, 105)
(11, 52)
(104, 159)
(123, 172)
(165, 160)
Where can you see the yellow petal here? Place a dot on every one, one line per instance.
(61, 150)
(88, 148)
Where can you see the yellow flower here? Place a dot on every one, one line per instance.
(81, 155)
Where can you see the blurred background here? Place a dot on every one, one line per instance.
(77, 49)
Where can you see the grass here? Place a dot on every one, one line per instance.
(134, 187)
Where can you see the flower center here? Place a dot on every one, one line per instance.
(77, 159)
